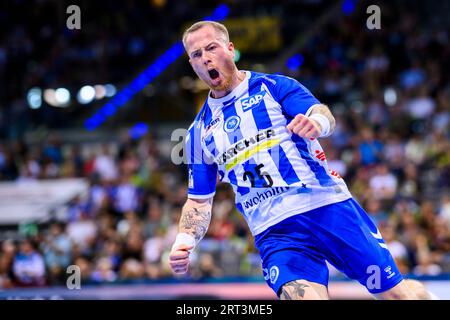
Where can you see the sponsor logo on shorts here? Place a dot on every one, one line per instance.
(389, 271)
(379, 237)
(273, 274)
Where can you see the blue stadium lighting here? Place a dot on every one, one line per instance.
(147, 76)
(348, 7)
(138, 130)
(219, 14)
(295, 62)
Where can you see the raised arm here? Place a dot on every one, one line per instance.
(194, 222)
(319, 123)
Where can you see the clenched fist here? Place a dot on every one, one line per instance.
(179, 258)
(305, 127)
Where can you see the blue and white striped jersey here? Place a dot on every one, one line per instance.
(243, 137)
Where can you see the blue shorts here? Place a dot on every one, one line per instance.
(340, 233)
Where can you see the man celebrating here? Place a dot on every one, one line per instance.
(259, 133)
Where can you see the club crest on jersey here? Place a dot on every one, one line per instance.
(231, 124)
(252, 101)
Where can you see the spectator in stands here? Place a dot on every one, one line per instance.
(409, 186)
(126, 196)
(83, 233)
(369, 147)
(153, 251)
(5, 274)
(383, 185)
(85, 266)
(103, 271)
(105, 165)
(422, 106)
(425, 264)
(376, 212)
(132, 269)
(28, 265)
(444, 211)
(57, 250)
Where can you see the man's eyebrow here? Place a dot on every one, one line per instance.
(212, 42)
(208, 45)
(193, 52)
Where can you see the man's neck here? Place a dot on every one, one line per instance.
(238, 77)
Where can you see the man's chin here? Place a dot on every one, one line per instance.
(219, 86)
(216, 83)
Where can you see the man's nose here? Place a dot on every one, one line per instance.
(206, 58)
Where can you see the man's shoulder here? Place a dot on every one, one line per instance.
(275, 81)
(273, 78)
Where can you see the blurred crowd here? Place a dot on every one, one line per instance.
(124, 226)
(117, 41)
(389, 90)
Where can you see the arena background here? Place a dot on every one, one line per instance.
(87, 117)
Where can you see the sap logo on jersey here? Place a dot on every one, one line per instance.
(231, 124)
(252, 101)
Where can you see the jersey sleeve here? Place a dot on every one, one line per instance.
(202, 171)
(293, 97)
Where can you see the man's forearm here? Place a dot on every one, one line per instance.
(195, 218)
(325, 111)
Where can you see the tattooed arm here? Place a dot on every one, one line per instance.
(319, 123)
(194, 222)
(195, 218)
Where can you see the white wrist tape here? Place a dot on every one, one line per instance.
(184, 238)
(323, 122)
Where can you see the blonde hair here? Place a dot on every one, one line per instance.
(220, 28)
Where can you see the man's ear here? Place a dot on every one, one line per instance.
(230, 47)
(186, 51)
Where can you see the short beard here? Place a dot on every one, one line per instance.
(223, 86)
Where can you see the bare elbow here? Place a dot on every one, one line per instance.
(195, 204)
(199, 201)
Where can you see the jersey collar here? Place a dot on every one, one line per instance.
(237, 92)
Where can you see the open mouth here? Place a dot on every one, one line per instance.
(213, 73)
